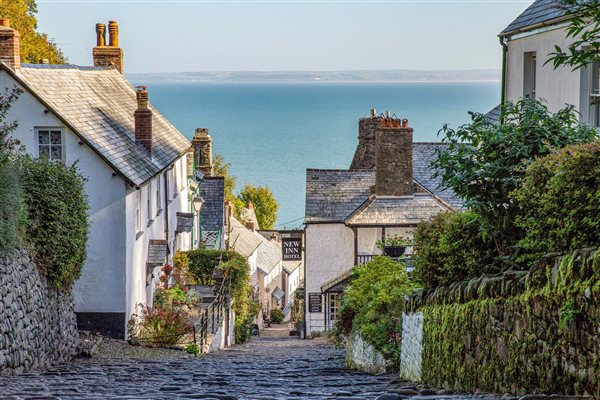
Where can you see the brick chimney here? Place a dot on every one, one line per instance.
(10, 48)
(143, 119)
(108, 55)
(250, 225)
(202, 143)
(364, 156)
(394, 158)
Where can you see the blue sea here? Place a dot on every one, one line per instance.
(271, 133)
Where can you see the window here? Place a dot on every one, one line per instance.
(158, 196)
(174, 172)
(149, 201)
(138, 212)
(50, 143)
(334, 305)
(594, 118)
(529, 74)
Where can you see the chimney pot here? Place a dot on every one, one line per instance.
(387, 114)
(405, 123)
(250, 225)
(274, 237)
(373, 112)
(111, 55)
(113, 34)
(5, 22)
(100, 35)
(45, 61)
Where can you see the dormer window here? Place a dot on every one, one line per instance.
(50, 143)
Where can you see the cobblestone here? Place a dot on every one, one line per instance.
(267, 368)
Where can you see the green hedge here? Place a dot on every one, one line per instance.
(559, 202)
(57, 219)
(450, 248)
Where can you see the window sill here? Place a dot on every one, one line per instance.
(159, 212)
(139, 235)
(150, 222)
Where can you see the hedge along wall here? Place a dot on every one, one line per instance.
(520, 332)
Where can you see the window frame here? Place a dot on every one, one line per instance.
(530, 75)
(594, 95)
(158, 195)
(138, 211)
(50, 129)
(149, 213)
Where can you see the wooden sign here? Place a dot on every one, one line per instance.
(315, 303)
(292, 249)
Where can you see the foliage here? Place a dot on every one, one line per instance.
(277, 316)
(192, 348)
(264, 202)
(181, 264)
(450, 248)
(202, 263)
(567, 314)
(171, 295)
(35, 46)
(10, 185)
(484, 162)
(559, 201)
(584, 29)
(57, 218)
(374, 301)
(163, 325)
(394, 241)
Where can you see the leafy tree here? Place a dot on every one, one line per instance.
(35, 46)
(10, 186)
(265, 204)
(584, 28)
(559, 201)
(484, 162)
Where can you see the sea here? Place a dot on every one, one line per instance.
(271, 133)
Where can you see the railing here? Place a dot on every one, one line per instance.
(212, 315)
(365, 258)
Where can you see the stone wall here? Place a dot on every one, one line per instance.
(361, 356)
(37, 323)
(520, 332)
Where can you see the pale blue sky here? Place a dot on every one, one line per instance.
(189, 35)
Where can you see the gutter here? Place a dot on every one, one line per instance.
(538, 25)
(504, 44)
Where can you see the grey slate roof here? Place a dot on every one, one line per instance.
(540, 12)
(269, 254)
(242, 240)
(291, 266)
(404, 210)
(333, 195)
(98, 104)
(212, 213)
(493, 116)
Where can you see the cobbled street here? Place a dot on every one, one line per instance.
(267, 368)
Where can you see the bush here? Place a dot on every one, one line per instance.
(374, 301)
(559, 202)
(450, 248)
(57, 219)
(277, 316)
(163, 325)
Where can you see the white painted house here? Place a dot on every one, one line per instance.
(387, 191)
(135, 162)
(527, 43)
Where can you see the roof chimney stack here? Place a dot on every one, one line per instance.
(364, 157)
(250, 225)
(394, 158)
(202, 144)
(143, 119)
(10, 45)
(111, 55)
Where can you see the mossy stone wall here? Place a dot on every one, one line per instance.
(520, 332)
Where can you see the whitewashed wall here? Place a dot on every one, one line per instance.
(411, 347)
(329, 253)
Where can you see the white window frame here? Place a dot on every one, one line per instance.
(158, 195)
(529, 74)
(594, 94)
(149, 201)
(50, 129)
(175, 186)
(138, 211)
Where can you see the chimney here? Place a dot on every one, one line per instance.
(111, 55)
(274, 237)
(394, 158)
(364, 157)
(143, 119)
(202, 144)
(250, 225)
(10, 47)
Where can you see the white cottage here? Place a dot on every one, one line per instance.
(527, 43)
(135, 162)
(387, 191)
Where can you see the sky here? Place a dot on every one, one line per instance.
(288, 35)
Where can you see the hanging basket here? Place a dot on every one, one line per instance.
(394, 251)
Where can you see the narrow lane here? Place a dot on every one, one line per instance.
(267, 368)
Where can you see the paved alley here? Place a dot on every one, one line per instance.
(267, 368)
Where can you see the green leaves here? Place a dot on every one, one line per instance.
(264, 202)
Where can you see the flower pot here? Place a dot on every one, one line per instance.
(394, 251)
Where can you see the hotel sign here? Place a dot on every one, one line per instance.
(292, 249)
(315, 304)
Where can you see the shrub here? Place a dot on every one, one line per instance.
(163, 325)
(277, 316)
(57, 219)
(374, 301)
(559, 202)
(450, 248)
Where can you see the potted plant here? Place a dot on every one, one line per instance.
(394, 246)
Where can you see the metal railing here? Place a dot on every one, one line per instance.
(212, 315)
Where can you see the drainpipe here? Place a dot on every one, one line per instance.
(503, 43)
(166, 193)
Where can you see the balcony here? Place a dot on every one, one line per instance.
(363, 259)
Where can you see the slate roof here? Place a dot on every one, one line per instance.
(493, 116)
(98, 105)
(242, 240)
(403, 210)
(333, 195)
(212, 213)
(269, 254)
(291, 266)
(540, 12)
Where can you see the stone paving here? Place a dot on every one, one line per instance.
(266, 368)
